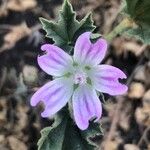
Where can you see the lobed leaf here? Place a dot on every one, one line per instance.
(64, 135)
(65, 31)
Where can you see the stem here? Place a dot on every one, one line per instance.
(124, 24)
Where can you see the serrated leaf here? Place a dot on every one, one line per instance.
(86, 24)
(64, 135)
(62, 31)
(52, 137)
(95, 37)
(65, 31)
(93, 130)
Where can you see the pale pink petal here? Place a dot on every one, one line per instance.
(55, 62)
(86, 106)
(88, 53)
(106, 80)
(54, 95)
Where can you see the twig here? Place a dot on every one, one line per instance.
(3, 78)
(143, 136)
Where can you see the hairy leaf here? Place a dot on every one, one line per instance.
(64, 135)
(65, 31)
(52, 137)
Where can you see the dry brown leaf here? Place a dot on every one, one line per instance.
(16, 5)
(143, 74)
(3, 104)
(21, 5)
(130, 147)
(146, 99)
(22, 117)
(136, 90)
(3, 8)
(2, 138)
(142, 116)
(123, 45)
(14, 143)
(30, 74)
(124, 120)
(140, 73)
(110, 108)
(147, 74)
(2, 147)
(16, 33)
(112, 145)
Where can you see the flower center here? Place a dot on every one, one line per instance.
(80, 78)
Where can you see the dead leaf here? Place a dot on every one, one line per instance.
(22, 117)
(147, 74)
(3, 9)
(142, 116)
(125, 115)
(21, 5)
(146, 99)
(123, 45)
(140, 74)
(2, 138)
(130, 147)
(112, 145)
(3, 111)
(14, 143)
(136, 90)
(30, 74)
(16, 33)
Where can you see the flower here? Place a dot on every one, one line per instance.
(77, 79)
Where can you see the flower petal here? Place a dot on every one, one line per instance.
(86, 105)
(106, 80)
(54, 95)
(88, 53)
(55, 62)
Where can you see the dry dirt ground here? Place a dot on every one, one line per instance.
(126, 119)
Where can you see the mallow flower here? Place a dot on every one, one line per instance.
(77, 79)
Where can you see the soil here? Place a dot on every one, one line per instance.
(126, 119)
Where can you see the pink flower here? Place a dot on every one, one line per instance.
(77, 79)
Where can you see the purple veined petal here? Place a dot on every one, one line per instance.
(88, 53)
(55, 62)
(106, 80)
(86, 105)
(54, 95)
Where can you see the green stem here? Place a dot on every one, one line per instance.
(124, 24)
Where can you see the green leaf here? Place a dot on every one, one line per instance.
(52, 137)
(130, 8)
(141, 33)
(93, 131)
(62, 31)
(65, 31)
(95, 37)
(86, 24)
(64, 135)
(138, 10)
